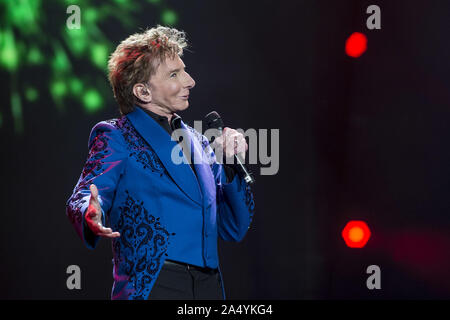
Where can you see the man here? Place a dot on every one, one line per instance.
(165, 217)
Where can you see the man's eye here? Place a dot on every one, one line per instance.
(173, 75)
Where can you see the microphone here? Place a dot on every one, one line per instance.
(214, 121)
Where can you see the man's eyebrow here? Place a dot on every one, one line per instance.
(175, 70)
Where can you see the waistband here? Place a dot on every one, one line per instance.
(188, 266)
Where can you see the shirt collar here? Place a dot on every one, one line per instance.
(155, 116)
(163, 120)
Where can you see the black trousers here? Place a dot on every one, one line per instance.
(185, 282)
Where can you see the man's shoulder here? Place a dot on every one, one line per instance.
(111, 124)
(110, 127)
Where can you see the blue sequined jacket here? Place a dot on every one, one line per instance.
(162, 209)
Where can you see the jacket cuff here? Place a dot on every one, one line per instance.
(89, 238)
(230, 173)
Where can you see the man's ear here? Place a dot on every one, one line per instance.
(142, 92)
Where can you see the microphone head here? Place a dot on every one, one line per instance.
(213, 121)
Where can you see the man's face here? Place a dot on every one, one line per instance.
(170, 85)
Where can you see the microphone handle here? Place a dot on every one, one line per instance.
(248, 177)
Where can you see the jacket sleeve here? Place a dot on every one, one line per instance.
(104, 166)
(235, 201)
(236, 207)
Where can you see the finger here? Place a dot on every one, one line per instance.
(107, 232)
(231, 138)
(218, 141)
(100, 229)
(239, 141)
(241, 149)
(237, 146)
(242, 145)
(229, 149)
(235, 137)
(94, 192)
(229, 134)
(111, 235)
(103, 229)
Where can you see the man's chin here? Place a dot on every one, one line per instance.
(185, 106)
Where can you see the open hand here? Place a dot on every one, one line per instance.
(93, 216)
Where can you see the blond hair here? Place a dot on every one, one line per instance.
(137, 58)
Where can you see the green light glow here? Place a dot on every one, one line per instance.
(60, 61)
(169, 17)
(35, 56)
(90, 15)
(23, 14)
(92, 101)
(38, 52)
(58, 89)
(99, 55)
(76, 86)
(70, 2)
(76, 39)
(8, 51)
(125, 4)
(31, 94)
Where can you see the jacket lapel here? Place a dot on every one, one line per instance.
(163, 145)
(202, 167)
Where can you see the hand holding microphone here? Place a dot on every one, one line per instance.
(232, 143)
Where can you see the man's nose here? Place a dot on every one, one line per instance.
(190, 83)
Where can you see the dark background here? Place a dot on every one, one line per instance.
(361, 139)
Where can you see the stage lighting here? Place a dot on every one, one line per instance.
(356, 234)
(356, 45)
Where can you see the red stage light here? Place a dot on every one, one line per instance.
(356, 44)
(356, 234)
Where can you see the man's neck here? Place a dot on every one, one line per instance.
(158, 110)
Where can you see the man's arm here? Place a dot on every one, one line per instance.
(105, 163)
(235, 201)
(235, 206)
